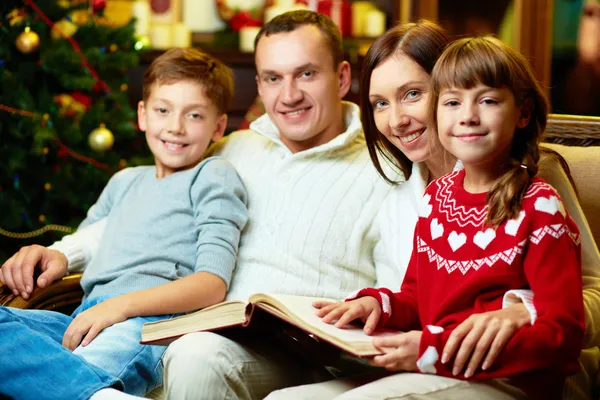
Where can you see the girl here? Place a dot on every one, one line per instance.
(489, 228)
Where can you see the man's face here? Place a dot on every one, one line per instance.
(300, 88)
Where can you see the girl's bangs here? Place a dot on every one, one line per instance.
(472, 63)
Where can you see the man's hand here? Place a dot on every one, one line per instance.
(367, 309)
(482, 334)
(88, 324)
(17, 271)
(401, 351)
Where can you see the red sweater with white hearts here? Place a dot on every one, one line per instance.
(460, 267)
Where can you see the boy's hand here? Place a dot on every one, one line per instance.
(483, 335)
(401, 351)
(367, 309)
(17, 271)
(88, 324)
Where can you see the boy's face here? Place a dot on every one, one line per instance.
(179, 121)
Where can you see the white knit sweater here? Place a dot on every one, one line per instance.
(312, 229)
(311, 224)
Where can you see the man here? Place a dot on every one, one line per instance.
(313, 197)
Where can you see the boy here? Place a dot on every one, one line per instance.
(181, 218)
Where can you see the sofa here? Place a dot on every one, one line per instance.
(576, 138)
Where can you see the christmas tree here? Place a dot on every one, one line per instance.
(65, 120)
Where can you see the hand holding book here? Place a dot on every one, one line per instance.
(367, 309)
(257, 312)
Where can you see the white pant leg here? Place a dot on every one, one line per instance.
(324, 390)
(206, 365)
(400, 386)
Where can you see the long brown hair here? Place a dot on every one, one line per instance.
(488, 61)
(423, 42)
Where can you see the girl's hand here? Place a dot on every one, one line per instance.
(483, 334)
(367, 309)
(401, 351)
(88, 324)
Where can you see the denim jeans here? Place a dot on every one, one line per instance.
(35, 365)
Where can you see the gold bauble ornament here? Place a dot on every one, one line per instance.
(80, 17)
(28, 41)
(101, 139)
(63, 29)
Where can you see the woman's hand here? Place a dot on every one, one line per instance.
(482, 334)
(88, 324)
(366, 308)
(401, 351)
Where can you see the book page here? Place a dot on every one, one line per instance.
(301, 307)
(223, 314)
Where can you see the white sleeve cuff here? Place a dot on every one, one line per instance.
(524, 296)
(80, 246)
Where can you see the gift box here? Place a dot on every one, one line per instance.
(340, 11)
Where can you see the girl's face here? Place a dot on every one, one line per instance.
(477, 125)
(398, 96)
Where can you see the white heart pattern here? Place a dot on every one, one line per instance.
(548, 205)
(425, 208)
(561, 208)
(483, 239)
(512, 226)
(437, 230)
(456, 240)
(426, 363)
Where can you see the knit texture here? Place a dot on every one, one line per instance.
(312, 227)
(158, 230)
(460, 266)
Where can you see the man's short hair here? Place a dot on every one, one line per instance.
(192, 65)
(292, 20)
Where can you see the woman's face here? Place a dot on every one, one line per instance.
(399, 99)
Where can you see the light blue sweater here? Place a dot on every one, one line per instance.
(159, 230)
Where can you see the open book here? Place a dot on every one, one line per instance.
(295, 310)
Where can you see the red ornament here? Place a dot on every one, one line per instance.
(85, 100)
(243, 19)
(61, 153)
(98, 5)
(160, 6)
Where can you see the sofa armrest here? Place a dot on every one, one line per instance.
(62, 296)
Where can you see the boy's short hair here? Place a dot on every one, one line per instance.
(292, 20)
(193, 65)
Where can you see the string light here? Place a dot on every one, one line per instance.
(37, 232)
(63, 148)
(84, 61)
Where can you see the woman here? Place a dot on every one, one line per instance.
(394, 106)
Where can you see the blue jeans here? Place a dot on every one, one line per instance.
(35, 365)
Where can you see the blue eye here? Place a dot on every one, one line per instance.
(413, 94)
(379, 104)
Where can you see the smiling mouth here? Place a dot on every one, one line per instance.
(412, 137)
(173, 146)
(296, 112)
